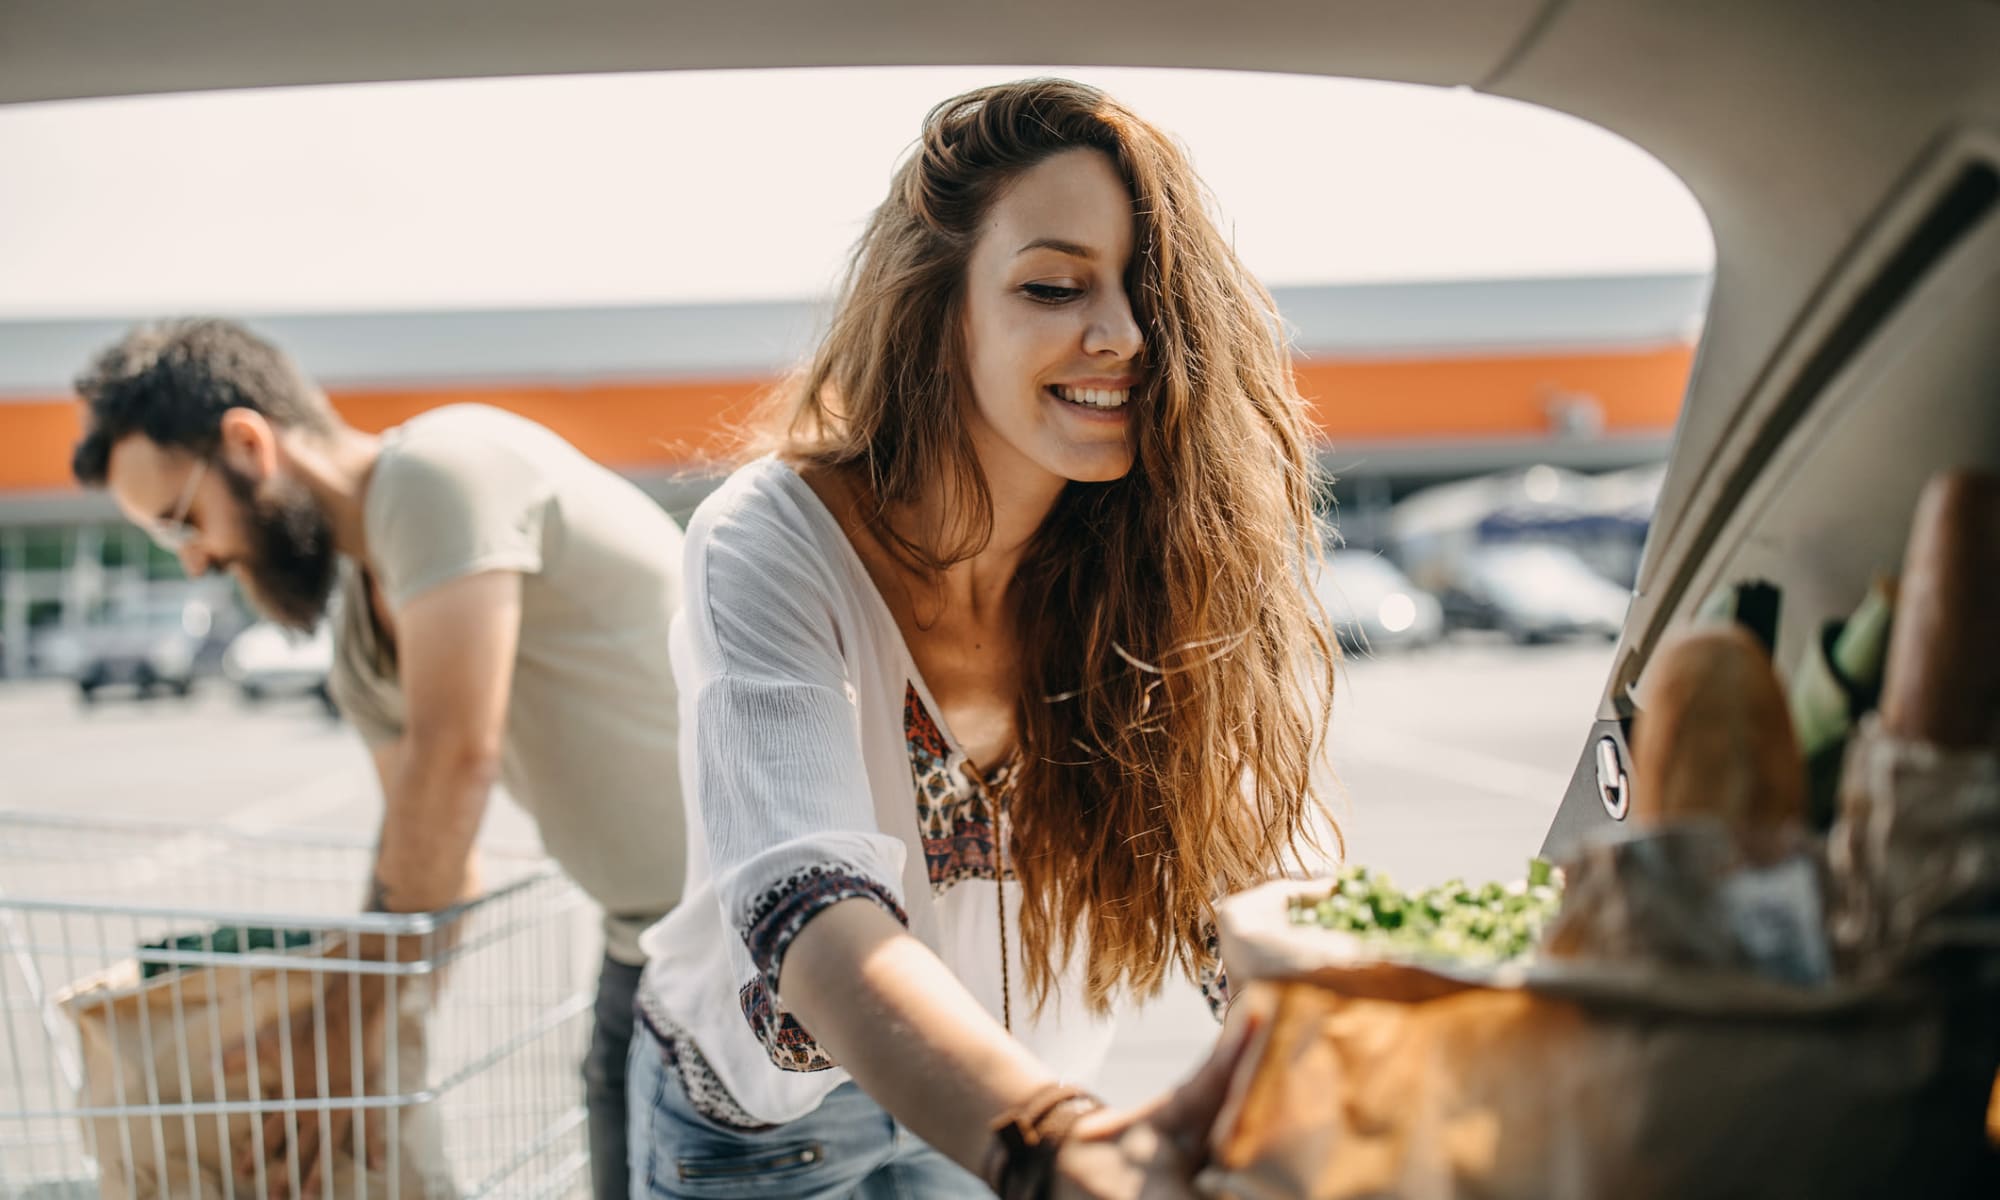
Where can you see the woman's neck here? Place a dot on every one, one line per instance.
(1022, 499)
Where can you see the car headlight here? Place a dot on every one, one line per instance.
(1397, 612)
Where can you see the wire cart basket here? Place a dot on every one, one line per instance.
(166, 992)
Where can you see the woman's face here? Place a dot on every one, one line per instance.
(1052, 345)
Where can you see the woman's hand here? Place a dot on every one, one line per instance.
(1151, 1152)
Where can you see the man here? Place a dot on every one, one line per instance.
(503, 616)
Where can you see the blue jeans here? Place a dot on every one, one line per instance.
(846, 1147)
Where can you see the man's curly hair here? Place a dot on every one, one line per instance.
(173, 380)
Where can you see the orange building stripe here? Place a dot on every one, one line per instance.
(36, 437)
(657, 425)
(1493, 395)
(626, 425)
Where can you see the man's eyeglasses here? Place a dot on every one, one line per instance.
(174, 533)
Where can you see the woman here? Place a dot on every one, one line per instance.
(1014, 599)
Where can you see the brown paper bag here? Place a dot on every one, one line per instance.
(1658, 1060)
(178, 1030)
(1574, 1080)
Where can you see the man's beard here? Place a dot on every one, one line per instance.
(289, 571)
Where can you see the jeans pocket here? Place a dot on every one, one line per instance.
(781, 1169)
(693, 1156)
(772, 1164)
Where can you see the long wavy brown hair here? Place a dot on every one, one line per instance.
(1177, 681)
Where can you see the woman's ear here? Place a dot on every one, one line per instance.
(249, 444)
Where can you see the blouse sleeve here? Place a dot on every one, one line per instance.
(786, 806)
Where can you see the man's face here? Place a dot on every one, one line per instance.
(273, 536)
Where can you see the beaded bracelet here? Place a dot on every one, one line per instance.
(1021, 1165)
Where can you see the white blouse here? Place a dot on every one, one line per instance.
(814, 769)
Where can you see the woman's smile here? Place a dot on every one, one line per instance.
(1100, 402)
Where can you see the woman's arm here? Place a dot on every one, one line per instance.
(889, 1012)
(916, 1041)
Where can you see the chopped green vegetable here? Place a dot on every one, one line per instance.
(224, 939)
(1493, 923)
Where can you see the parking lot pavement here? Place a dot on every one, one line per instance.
(210, 758)
(1451, 761)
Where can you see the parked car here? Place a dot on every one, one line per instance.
(152, 647)
(1602, 519)
(1533, 592)
(268, 661)
(1374, 606)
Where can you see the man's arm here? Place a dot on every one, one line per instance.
(388, 759)
(455, 647)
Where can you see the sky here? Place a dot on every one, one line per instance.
(741, 185)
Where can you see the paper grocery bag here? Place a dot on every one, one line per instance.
(1381, 1079)
(169, 1040)
(1503, 1093)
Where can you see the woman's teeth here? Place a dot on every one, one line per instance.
(1094, 397)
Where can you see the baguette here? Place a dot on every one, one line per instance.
(1943, 678)
(1713, 738)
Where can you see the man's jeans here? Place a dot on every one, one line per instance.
(604, 1077)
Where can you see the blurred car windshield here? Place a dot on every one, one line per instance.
(1359, 582)
(1540, 576)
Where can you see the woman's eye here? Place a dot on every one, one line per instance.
(1050, 293)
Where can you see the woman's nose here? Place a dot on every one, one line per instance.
(1114, 331)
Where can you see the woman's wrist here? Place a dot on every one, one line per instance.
(1020, 1164)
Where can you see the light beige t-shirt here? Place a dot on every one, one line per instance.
(591, 748)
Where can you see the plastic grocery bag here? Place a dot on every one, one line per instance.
(168, 1040)
(1673, 1066)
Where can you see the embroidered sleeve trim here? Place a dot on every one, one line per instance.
(786, 1042)
(785, 908)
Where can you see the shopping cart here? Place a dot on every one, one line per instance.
(215, 931)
